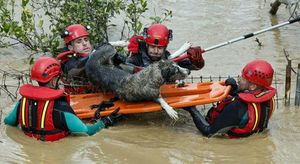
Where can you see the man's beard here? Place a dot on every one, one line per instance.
(155, 58)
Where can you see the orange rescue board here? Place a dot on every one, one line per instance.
(189, 95)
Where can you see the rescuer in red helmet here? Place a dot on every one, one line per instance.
(153, 46)
(76, 38)
(44, 111)
(246, 110)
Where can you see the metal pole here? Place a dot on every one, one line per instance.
(288, 83)
(175, 58)
(297, 97)
(251, 34)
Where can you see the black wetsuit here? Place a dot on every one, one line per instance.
(75, 62)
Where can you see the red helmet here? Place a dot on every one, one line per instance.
(44, 69)
(157, 34)
(73, 32)
(259, 72)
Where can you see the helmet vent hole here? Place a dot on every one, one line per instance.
(45, 74)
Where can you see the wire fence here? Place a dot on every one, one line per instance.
(293, 6)
(11, 82)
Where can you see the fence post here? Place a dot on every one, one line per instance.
(0, 116)
(275, 81)
(288, 82)
(297, 96)
(274, 7)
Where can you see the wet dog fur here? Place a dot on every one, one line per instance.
(144, 85)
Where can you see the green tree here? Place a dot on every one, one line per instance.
(24, 28)
(41, 22)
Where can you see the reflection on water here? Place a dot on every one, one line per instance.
(155, 138)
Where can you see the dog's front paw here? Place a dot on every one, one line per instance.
(186, 45)
(172, 113)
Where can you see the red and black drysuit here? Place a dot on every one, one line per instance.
(40, 113)
(46, 115)
(238, 116)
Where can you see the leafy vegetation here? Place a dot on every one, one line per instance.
(37, 25)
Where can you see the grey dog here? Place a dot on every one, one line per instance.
(144, 85)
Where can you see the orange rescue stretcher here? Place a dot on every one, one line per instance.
(191, 94)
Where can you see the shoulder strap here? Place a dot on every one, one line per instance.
(258, 97)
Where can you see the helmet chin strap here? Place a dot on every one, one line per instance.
(245, 88)
(56, 82)
(251, 87)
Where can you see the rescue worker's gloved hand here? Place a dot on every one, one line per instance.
(110, 119)
(133, 46)
(195, 55)
(118, 59)
(233, 84)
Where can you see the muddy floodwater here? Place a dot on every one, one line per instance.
(154, 137)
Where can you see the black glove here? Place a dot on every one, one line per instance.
(118, 59)
(234, 86)
(110, 119)
(101, 107)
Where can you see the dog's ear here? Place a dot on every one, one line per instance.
(163, 63)
(105, 49)
(167, 70)
(101, 45)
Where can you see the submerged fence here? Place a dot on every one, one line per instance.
(288, 79)
(297, 94)
(11, 82)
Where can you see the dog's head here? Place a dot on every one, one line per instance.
(171, 71)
